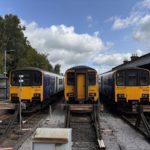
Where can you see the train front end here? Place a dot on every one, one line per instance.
(31, 87)
(81, 85)
(132, 85)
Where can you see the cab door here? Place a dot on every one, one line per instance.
(81, 86)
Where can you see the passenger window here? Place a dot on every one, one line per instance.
(70, 78)
(92, 78)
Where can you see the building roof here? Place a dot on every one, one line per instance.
(138, 62)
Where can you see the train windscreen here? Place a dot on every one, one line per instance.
(143, 78)
(92, 78)
(120, 78)
(132, 78)
(71, 78)
(31, 78)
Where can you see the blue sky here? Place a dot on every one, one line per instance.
(108, 31)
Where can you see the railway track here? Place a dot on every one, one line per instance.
(10, 133)
(139, 121)
(13, 136)
(85, 126)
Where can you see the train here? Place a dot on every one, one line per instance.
(126, 86)
(37, 85)
(81, 85)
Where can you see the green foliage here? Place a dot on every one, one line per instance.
(23, 55)
(57, 68)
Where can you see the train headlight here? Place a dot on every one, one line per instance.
(37, 95)
(70, 94)
(92, 94)
(145, 95)
(120, 95)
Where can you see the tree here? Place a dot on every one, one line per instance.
(12, 38)
(57, 68)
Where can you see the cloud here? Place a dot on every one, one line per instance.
(142, 33)
(143, 4)
(126, 22)
(89, 20)
(63, 45)
(139, 10)
(114, 59)
(139, 18)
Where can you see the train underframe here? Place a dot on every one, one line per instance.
(124, 105)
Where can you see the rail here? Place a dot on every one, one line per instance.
(138, 121)
(91, 109)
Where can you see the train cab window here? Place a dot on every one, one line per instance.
(31, 78)
(92, 78)
(143, 78)
(70, 78)
(120, 78)
(131, 78)
(37, 78)
(26, 79)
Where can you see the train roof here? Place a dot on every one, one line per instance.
(125, 68)
(81, 67)
(36, 69)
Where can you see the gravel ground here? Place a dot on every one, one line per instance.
(118, 135)
(55, 120)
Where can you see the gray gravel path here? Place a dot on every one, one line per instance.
(118, 135)
(55, 120)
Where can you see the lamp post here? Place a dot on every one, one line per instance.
(5, 64)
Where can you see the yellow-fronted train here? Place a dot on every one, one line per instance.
(81, 85)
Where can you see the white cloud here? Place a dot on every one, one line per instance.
(89, 20)
(126, 22)
(143, 4)
(139, 18)
(68, 48)
(63, 45)
(139, 10)
(62, 37)
(114, 59)
(142, 33)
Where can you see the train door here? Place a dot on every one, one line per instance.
(81, 86)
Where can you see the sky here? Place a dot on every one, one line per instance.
(97, 33)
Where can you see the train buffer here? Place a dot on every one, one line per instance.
(10, 106)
